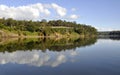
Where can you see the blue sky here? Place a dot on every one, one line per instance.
(102, 14)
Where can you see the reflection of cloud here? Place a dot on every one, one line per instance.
(37, 58)
(73, 53)
(60, 59)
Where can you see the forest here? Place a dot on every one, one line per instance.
(11, 27)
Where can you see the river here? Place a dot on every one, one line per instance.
(83, 56)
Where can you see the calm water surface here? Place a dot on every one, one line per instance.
(60, 57)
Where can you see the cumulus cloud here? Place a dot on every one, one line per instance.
(34, 11)
(60, 10)
(73, 16)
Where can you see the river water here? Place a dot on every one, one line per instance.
(86, 56)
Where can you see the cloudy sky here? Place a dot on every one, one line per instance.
(102, 14)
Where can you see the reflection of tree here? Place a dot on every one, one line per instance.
(109, 37)
(46, 43)
(115, 38)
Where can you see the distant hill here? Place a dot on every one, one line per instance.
(109, 33)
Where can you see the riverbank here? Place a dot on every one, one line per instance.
(54, 28)
(26, 34)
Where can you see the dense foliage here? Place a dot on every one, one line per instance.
(44, 28)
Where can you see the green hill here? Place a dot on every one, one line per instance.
(55, 28)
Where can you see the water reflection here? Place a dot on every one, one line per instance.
(109, 37)
(42, 51)
(45, 43)
(37, 58)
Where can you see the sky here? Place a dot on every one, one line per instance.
(102, 14)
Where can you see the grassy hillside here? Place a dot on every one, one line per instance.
(58, 28)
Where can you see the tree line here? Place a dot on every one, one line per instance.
(109, 33)
(45, 28)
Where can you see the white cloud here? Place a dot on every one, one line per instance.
(73, 9)
(60, 10)
(34, 11)
(73, 16)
